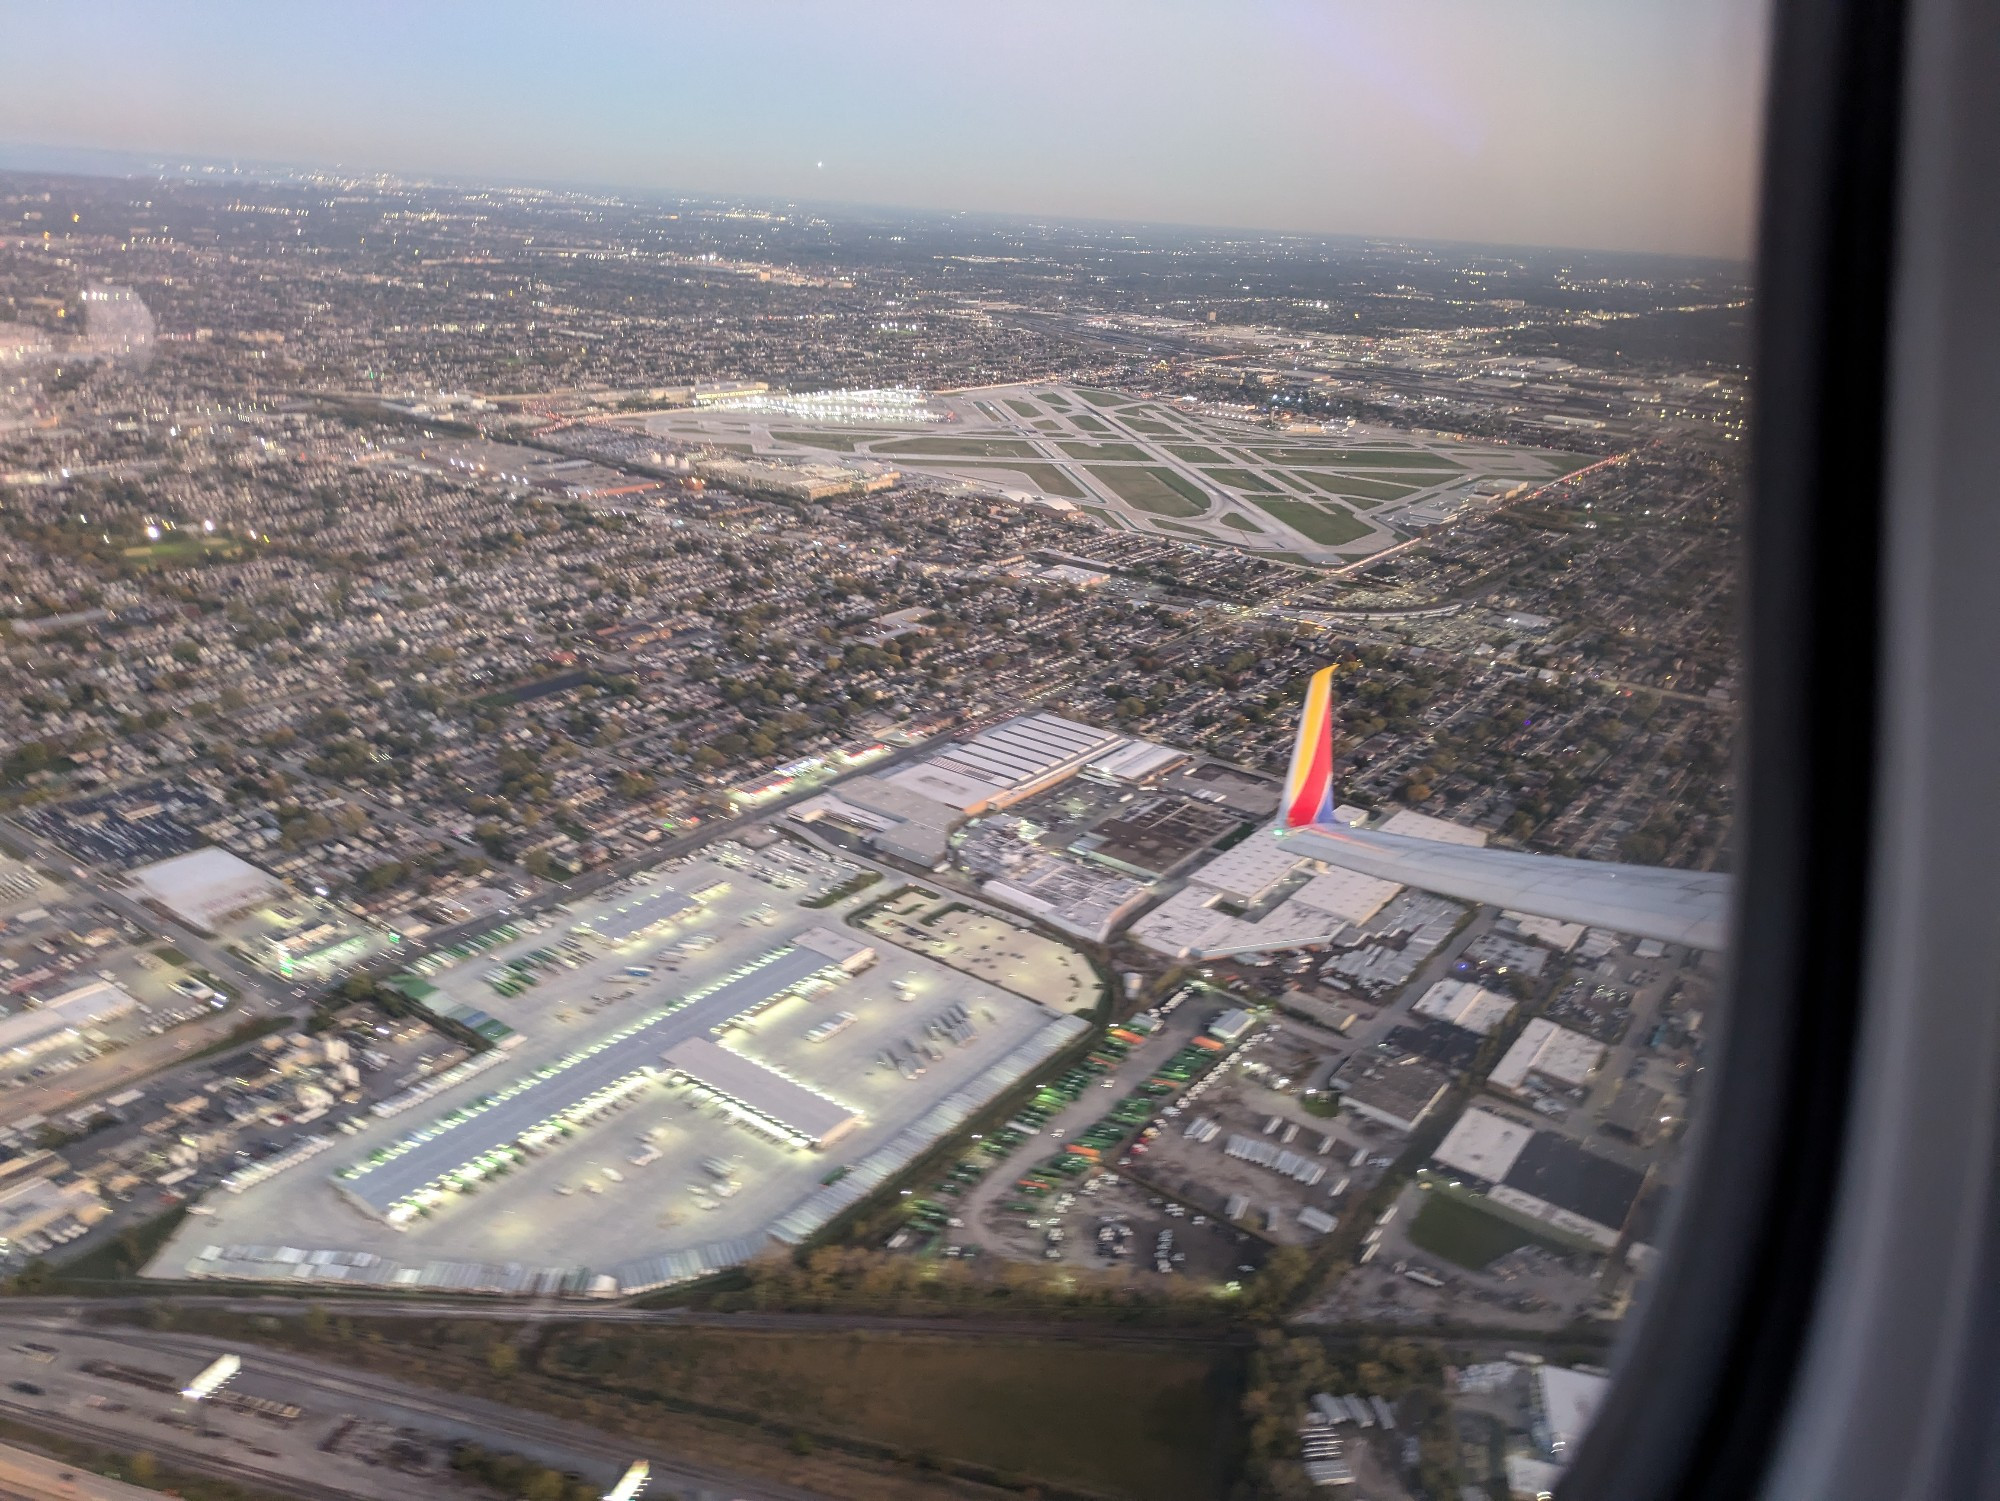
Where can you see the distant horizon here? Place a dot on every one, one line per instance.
(117, 165)
(1559, 123)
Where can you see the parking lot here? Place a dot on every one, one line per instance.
(989, 947)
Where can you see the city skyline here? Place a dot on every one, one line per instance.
(1414, 126)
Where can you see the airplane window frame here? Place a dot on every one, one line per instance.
(1708, 1367)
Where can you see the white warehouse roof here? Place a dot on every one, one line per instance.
(1012, 759)
(759, 1090)
(26, 1033)
(1413, 825)
(1463, 1004)
(205, 886)
(1136, 760)
(1483, 1145)
(1554, 1052)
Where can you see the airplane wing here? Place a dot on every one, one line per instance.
(1647, 901)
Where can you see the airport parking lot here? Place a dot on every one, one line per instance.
(669, 1168)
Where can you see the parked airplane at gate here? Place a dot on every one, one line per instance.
(1647, 901)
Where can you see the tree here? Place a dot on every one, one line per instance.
(144, 1468)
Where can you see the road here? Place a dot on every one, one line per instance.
(31, 1477)
(360, 1436)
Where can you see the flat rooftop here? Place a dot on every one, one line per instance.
(1022, 753)
(1483, 1145)
(763, 1092)
(205, 886)
(634, 916)
(1554, 1052)
(430, 1153)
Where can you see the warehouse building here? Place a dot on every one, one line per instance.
(782, 1106)
(60, 1021)
(1005, 764)
(1542, 1176)
(1398, 1092)
(638, 915)
(1545, 1057)
(205, 888)
(1462, 1004)
(494, 1130)
(1260, 897)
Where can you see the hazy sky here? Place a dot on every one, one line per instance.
(1624, 124)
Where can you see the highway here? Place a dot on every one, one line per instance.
(31, 1477)
(360, 1436)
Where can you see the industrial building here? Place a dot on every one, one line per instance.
(1546, 1055)
(205, 888)
(1078, 900)
(1473, 1008)
(909, 812)
(1259, 897)
(531, 1111)
(1006, 763)
(1136, 761)
(63, 1019)
(1398, 1092)
(782, 1105)
(1542, 1176)
(1638, 1112)
(643, 912)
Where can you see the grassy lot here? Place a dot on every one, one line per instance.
(181, 549)
(1048, 426)
(1024, 408)
(1103, 517)
(962, 448)
(1238, 521)
(1089, 423)
(1241, 479)
(1159, 491)
(1106, 453)
(1326, 523)
(839, 443)
(1359, 458)
(1044, 477)
(123, 1256)
(850, 1415)
(1051, 398)
(1370, 490)
(1142, 425)
(1131, 1421)
(1100, 398)
(1194, 453)
(1465, 1234)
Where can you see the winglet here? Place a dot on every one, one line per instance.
(1309, 786)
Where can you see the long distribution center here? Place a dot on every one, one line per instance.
(487, 1132)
